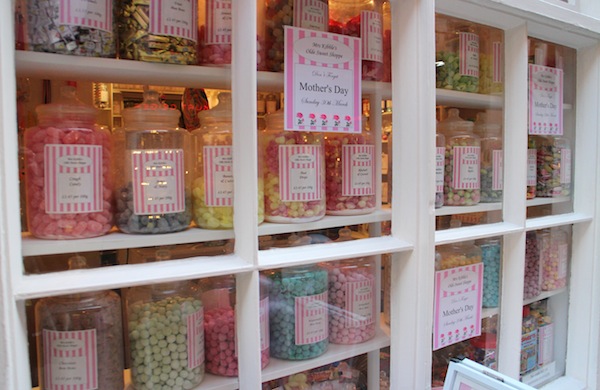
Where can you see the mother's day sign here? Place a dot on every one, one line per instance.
(322, 81)
(545, 100)
(457, 305)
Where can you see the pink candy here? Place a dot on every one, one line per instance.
(66, 219)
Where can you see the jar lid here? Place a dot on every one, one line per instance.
(275, 120)
(219, 113)
(485, 341)
(152, 110)
(68, 108)
(454, 123)
(488, 124)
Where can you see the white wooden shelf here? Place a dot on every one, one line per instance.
(447, 97)
(210, 382)
(547, 201)
(475, 232)
(278, 368)
(487, 312)
(544, 295)
(478, 208)
(556, 220)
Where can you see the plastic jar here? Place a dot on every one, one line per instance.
(529, 342)
(212, 188)
(491, 249)
(491, 61)
(298, 312)
(554, 258)
(77, 331)
(78, 28)
(532, 283)
(352, 301)
(457, 54)
(294, 173)
(308, 14)
(170, 36)
(67, 171)
(484, 350)
(153, 170)
(531, 167)
(553, 166)
(440, 152)
(492, 155)
(350, 170)
(462, 163)
(167, 318)
(457, 254)
(363, 19)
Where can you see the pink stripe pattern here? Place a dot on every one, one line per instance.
(195, 339)
(264, 324)
(465, 175)
(371, 34)
(469, 54)
(166, 20)
(498, 58)
(213, 168)
(361, 157)
(360, 294)
(498, 169)
(75, 349)
(83, 13)
(311, 319)
(316, 19)
(296, 161)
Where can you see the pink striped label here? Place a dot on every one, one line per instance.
(498, 64)
(311, 14)
(264, 323)
(195, 339)
(360, 303)
(299, 172)
(498, 170)
(158, 181)
(218, 22)
(311, 319)
(174, 18)
(95, 14)
(531, 167)
(70, 360)
(73, 178)
(469, 54)
(371, 33)
(439, 168)
(465, 175)
(218, 176)
(545, 100)
(358, 170)
(565, 166)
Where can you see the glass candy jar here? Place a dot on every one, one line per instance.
(212, 188)
(529, 342)
(440, 151)
(491, 249)
(167, 318)
(352, 300)
(67, 171)
(531, 167)
(153, 171)
(350, 170)
(294, 173)
(553, 166)
(457, 254)
(457, 54)
(532, 282)
(554, 258)
(462, 163)
(308, 14)
(298, 295)
(363, 19)
(80, 331)
(491, 61)
(491, 165)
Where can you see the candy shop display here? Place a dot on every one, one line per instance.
(457, 54)
(308, 14)
(362, 19)
(154, 31)
(153, 170)
(166, 335)
(386, 263)
(484, 350)
(554, 258)
(298, 315)
(462, 162)
(457, 254)
(80, 331)
(529, 342)
(352, 300)
(531, 167)
(214, 32)
(491, 165)
(212, 188)
(553, 166)
(532, 283)
(350, 170)
(67, 171)
(294, 173)
(77, 27)
(491, 254)
(491, 61)
(387, 41)
(440, 153)
(545, 325)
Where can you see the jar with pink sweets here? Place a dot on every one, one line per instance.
(352, 300)
(363, 19)
(212, 188)
(68, 176)
(554, 258)
(350, 161)
(308, 14)
(294, 173)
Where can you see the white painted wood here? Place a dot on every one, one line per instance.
(557, 220)
(475, 232)
(451, 98)
(457, 210)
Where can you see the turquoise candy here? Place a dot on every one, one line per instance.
(491, 258)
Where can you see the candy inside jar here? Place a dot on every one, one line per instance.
(553, 166)
(67, 171)
(350, 161)
(532, 281)
(294, 173)
(213, 187)
(489, 127)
